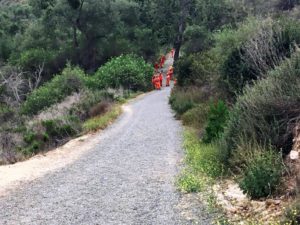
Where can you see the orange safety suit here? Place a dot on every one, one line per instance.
(153, 81)
(171, 72)
(156, 67)
(168, 80)
(162, 61)
(161, 79)
(157, 83)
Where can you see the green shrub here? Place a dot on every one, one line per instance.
(35, 141)
(32, 149)
(248, 53)
(184, 99)
(189, 183)
(217, 117)
(127, 71)
(196, 69)
(292, 213)
(203, 158)
(267, 111)
(48, 133)
(262, 173)
(204, 163)
(5, 113)
(196, 117)
(183, 71)
(197, 39)
(32, 58)
(71, 80)
(89, 98)
(60, 128)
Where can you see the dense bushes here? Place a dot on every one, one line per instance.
(196, 69)
(196, 117)
(249, 52)
(217, 118)
(262, 172)
(49, 133)
(202, 159)
(89, 99)
(267, 112)
(127, 71)
(71, 80)
(184, 99)
(255, 69)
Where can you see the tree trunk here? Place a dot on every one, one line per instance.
(185, 6)
(75, 38)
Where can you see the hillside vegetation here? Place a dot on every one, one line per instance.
(67, 65)
(238, 89)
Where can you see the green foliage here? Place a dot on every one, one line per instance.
(217, 117)
(31, 59)
(60, 128)
(292, 213)
(128, 71)
(203, 158)
(266, 111)
(184, 99)
(49, 132)
(71, 80)
(249, 52)
(35, 141)
(88, 99)
(5, 113)
(189, 183)
(184, 72)
(204, 162)
(236, 72)
(262, 173)
(197, 69)
(197, 39)
(196, 117)
(180, 104)
(74, 3)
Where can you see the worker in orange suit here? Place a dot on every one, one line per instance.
(153, 80)
(161, 79)
(171, 72)
(168, 80)
(157, 83)
(156, 67)
(162, 61)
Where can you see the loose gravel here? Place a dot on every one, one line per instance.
(127, 177)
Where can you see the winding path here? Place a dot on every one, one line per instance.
(126, 176)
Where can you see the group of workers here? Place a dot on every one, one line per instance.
(157, 79)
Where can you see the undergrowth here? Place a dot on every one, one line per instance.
(204, 163)
(101, 122)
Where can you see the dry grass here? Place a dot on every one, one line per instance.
(102, 121)
(100, 109)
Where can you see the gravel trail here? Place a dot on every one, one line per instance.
(127, 177)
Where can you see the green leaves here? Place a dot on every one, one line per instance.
(127, 71)
(217, 118)
(262, 173)
(71, 80)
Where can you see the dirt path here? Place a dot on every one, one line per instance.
(123, 175)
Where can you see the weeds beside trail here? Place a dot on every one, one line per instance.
(203, 167)
(101, 122)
